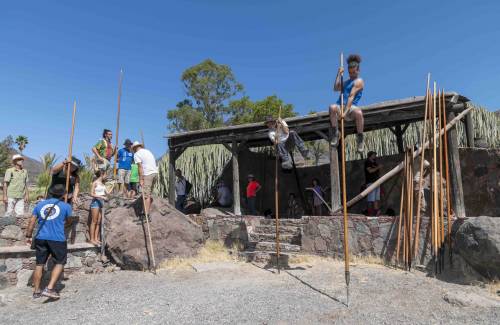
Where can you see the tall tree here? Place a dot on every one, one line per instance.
(5, 153)
(210, 85)
(21, 142)
(245, 111)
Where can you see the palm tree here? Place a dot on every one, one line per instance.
(48, 160)
(21, 142)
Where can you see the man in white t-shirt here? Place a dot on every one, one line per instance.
(148, 172)
(285, 140)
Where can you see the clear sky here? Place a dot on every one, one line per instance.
(52, 54)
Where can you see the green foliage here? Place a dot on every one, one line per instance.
(318, 149)
(5, 153)
(245, 111)
(21, 142)
(86, 175)
(44, 178)
(210, 85)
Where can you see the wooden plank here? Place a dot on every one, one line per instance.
(469, 130)
(236, 179)
(457, 192)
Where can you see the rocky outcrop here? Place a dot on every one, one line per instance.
(478, 242)
(173, 234)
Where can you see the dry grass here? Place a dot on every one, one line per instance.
(368, 260)
(212, 251)
(313, 259)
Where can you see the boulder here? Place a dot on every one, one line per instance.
(12, 232)
(173, 234)
(478, 241)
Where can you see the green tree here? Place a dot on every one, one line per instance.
(245, 111)
(21, 142)
(5, 153)
(210, 86)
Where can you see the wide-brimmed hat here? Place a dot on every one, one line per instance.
(17, 157)
(127, 143)
(137, 143)
(76, 162)
(57, 190)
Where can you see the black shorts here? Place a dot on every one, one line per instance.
(132, 187)
(57, 249)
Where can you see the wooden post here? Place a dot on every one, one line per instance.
(469, 130)
(334, 177)
(399, 139)
(171, 176)
(236, 179)
(457, 192)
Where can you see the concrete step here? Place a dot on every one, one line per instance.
(266, 258)
(271, 246)
(285, 230)
(270, 237)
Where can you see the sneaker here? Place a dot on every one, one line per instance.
(37, 295)
(360, 140)
(287, 164)
(50, 293)
(334, 141)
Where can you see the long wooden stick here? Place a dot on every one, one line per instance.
(142, 139)
(344, 190)
(441, 194)
(118, 121)
(149, 233)
(410, 208)
(448, 201)
(435, 213)
(401, 209)
(70, 152)
(399, 167)
(276, 191)
(422, 162)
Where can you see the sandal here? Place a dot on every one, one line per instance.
(51, 293)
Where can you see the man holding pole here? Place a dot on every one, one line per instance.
(352, 89)
(125, 160)
(148, 172)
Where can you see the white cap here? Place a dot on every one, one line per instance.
(136, 143)
(17, 157)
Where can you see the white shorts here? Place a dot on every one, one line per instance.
(15, 205)
(348, 114)
(373, 195)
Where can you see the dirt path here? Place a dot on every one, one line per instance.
(229, 293)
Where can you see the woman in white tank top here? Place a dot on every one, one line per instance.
(99, 194)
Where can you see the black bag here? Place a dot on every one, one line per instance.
(189, 186)
(41, 225)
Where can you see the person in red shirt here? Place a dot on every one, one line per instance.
(252, 188)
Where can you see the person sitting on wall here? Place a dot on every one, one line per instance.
(285, 140)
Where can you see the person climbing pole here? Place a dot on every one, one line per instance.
(352, 90)
(285, 140)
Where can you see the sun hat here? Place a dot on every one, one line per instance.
(17, 157)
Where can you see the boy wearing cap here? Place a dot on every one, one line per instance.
(252, 188)
(59, 177)
(50, 239)
(148, 172)
(125, 159)
(15, 187)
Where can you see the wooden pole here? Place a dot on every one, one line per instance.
(399, 167)
(236, 178)
(435, 214)
(334, 177)
(441, 194)
(276, 191)
(447, 175)
(469, 130)
(344, 190)
(457, 192)
(401, 209)
(70, 152)
(410, 215)
(422, 163)
(142, 139)
(118, 122)
(150, 240)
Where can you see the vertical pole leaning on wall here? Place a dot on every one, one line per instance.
(171, 175)
(236, 178)
(455, 170)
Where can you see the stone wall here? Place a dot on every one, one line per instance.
(480, 178)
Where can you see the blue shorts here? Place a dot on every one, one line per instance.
(96, 204)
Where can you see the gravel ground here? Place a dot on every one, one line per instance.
(229, 293)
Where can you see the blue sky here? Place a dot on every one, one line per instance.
(52, 54)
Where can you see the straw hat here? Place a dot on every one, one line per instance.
(17, 157)
(136, 143)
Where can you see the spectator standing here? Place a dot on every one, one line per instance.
(98, 193)
(294, 210)
(372, 169)
(104, 151)
(318, 197)
(125, 159)
(180, 191)
(134, 181)
(252, 188)
(50, 239)
(15, 187)
(148, 172)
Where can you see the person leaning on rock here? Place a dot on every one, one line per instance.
(50, 239)
(15, 187)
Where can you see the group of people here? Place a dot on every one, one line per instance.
(52, 215)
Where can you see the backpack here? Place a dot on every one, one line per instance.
(189, 186)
